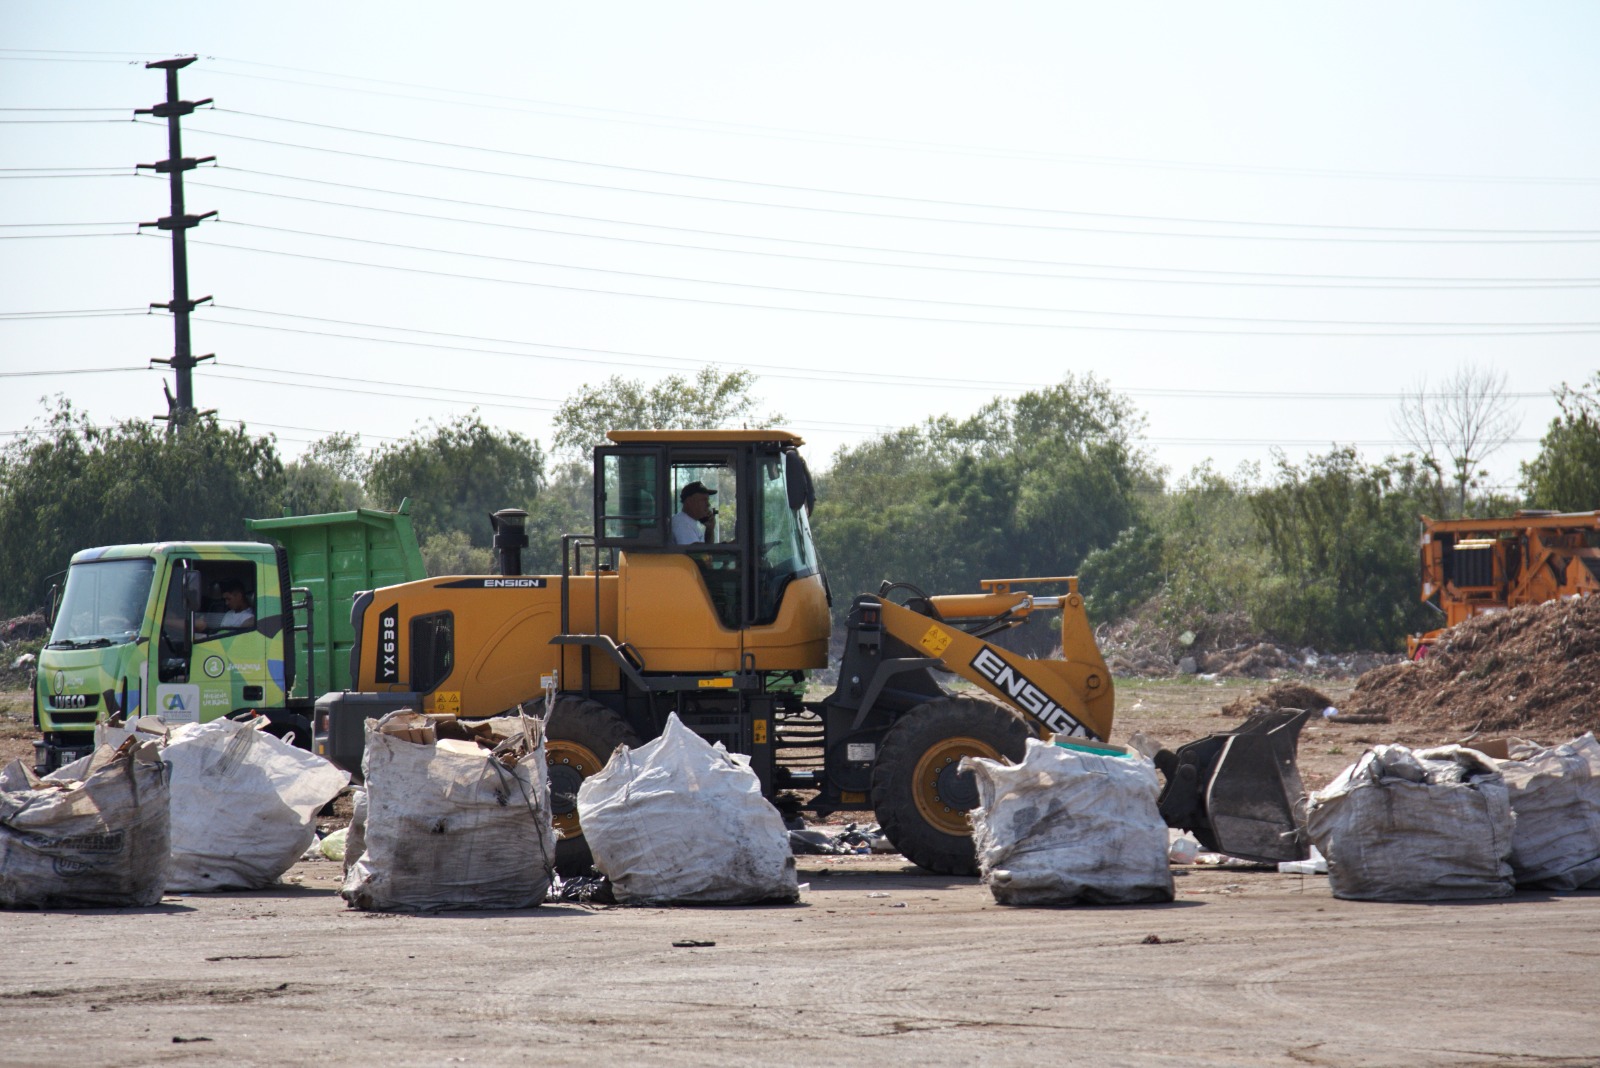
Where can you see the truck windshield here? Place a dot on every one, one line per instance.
(786, 550)
(104, 602)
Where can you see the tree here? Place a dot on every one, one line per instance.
(1026, 486)
(457, 474)
(1457, 427)
(328, 478)
(1342, 536)
(712, 399)
(1565, 475)
(69, 485)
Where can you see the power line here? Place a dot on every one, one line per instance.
(616, 115)
(654, 361)
(379, 393)
(69, 313)
(60, 237)
(703, 198)
(890, 197)
(1485, 329)
(1256, 278)
(118, 222)
(69, 371)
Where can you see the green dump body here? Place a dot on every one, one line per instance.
(334, 557)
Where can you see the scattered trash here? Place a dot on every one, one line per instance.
(1316, 864)
(583, 890)
(1066, 826)
(1555, 793)
(1183, 850)
(453, 823)
(332, 847)
(1329, 712)
(95, 839)
(681, 820)
(1157, 940)
(814, 843)
(1425, 825)
(690, 943)
(878, 893)
(197, 1038)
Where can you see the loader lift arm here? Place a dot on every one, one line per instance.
(893, 729)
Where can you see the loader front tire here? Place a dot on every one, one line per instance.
(580, 737)
(920, 795)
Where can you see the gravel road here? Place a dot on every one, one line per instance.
(879, 962)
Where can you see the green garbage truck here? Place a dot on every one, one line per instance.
(190, 631)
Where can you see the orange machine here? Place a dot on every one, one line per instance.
(1472, 566)
(698, 594)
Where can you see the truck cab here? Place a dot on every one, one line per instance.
(147, 630)
(191, 631)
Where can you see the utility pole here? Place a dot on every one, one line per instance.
(180, 409)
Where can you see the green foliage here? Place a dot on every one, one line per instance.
(1026, 487)
(328, 478)
(457, 474)
(711, 399)
(1119, 577)
(566, 506)
(68, 485)
(451, 553)
(1342, 537)
(1566, 473)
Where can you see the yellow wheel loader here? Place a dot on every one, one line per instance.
(699, 593)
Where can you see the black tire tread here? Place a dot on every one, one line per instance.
(911, 736)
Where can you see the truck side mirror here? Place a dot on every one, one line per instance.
(191, 588)
(797, 478)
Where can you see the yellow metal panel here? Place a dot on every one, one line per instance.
(704, 437)
(1073, 695)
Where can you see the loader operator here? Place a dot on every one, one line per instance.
(692, 524)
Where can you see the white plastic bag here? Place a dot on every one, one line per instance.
(1429, 825)
(244, 804)
(1066, 826)
(99, 841)
(1555, 794)
(681, 820)
(450, 825)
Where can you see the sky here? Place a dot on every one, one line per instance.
(1262, 222)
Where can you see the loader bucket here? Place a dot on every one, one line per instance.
(1239, 792)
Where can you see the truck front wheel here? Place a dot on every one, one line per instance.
(580, 737)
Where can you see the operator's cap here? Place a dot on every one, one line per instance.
(695, 487)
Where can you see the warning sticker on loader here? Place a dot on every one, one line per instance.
(936, 641)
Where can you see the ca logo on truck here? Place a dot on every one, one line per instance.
(1033, 700)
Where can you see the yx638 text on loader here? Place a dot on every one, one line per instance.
(722, 632)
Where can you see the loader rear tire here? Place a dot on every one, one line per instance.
(580, 737)
(920, 796)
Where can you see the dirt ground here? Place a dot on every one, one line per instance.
(879, 961)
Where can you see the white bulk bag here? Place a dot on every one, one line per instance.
(451, 825)
(681, 820)
(244, 804)
(1555, 794)
(1429, 825)
(1066, 826)
(98, 841)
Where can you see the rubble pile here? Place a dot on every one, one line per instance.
(1278, 696)
(1533, 671)
(1144, 647)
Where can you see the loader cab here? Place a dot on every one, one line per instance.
(747, 593)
